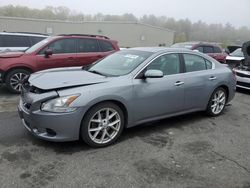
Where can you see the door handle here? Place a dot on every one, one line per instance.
(178, 83)
(70, 58)
(212, 78)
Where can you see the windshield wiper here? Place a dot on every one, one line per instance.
(96, 72)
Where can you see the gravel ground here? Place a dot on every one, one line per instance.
(187, 151)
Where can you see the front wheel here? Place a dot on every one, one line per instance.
(102, 125)
(217, 102)
(15, 79)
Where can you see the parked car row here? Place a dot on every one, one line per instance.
(58, 51)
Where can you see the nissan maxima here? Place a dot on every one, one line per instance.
(125, 89)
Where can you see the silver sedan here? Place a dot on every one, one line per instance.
(123, 90)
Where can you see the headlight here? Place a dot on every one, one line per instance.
(61, 104)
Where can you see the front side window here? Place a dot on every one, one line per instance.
(88, 45)
(200, 49)
(61, 46)
(168, 64)
(194, 63)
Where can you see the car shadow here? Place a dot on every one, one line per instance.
(141, 131)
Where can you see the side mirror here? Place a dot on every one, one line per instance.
(48, 52)
(153, 74)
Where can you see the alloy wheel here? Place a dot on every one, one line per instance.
(104, 125)
(218, 101)
(16, 81)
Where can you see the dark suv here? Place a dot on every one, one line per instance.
(210, 49)
(58, 51)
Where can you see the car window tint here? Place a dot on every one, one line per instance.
(194, 63)
(106, 46)
(88, 45)
(61, 46)
(217, 49)
(168, 64)
(209, 64)
(200, 49)
(14, 41)
(208, 49)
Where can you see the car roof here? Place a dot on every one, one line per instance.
(160, 49)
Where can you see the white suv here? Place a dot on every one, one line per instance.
(13, 41)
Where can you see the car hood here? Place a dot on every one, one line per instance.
(65, 78)
(11, 54)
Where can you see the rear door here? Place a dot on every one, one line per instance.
(64, 54)
(199, 79)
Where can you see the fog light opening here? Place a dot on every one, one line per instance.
(50, 132)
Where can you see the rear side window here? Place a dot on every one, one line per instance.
(217, 49)
(208, 49)
(194, 63)
(106, 46)
(14, 41)
(87, 45)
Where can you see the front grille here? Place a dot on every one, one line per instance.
(244, 84)
(242, 75)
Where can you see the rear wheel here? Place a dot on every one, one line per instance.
(15, 78)
(102, 125)
(217, 102)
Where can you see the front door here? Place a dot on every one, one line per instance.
(155, 97)
(63, 55)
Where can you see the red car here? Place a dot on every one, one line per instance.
(210, 49)
(59, 51)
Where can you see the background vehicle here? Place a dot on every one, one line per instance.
(235, 58)
(211, 49)
(125, 89)
(14, 41)
(243, 70)
(59, 51)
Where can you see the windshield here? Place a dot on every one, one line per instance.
(38, 45)
(120, 63)
(237, 53)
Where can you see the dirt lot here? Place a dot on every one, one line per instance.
(187, 151)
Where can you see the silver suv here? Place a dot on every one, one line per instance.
(12, 41)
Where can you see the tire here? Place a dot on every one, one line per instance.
(104, 131)
(14, 80)
(217, 102)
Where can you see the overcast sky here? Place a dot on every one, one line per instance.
(236, 12)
